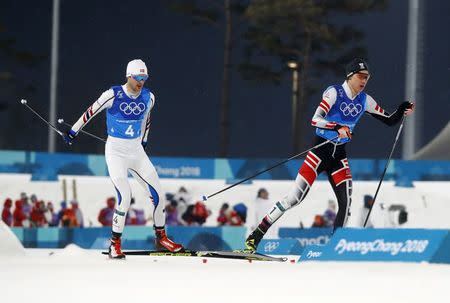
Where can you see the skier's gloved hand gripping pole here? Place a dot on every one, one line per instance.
(61, 121)
(406, 108)
(205, 198)
(70, 135)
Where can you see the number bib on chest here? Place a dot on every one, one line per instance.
(343, 112)
(124, 118)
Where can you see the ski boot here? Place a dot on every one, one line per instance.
(115, 249)
(251, 244)
(165, 244)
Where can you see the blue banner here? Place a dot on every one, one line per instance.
(280, 247)
(185, 168)
(134, 237)
(306, 236)
(407, 245)
(45, 166)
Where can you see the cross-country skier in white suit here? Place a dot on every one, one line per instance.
(128, 110)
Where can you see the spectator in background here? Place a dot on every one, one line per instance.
(387, 215)
(318, 221)
(196, 214)
(183, 195)
(172, 213)
(6, 212)
(241, 211)
(396, 215)
(69, 218)
(131, 214)
(19, 217)
(201, 213)
(26, 206)
(63, 205)
(51, 216)
(78, 214)
(106, 214)
(235, 216)
(37, 218)
(135, 216)
(222, 219)
(33, 199)
(262, 205)
(183, 199)
(367, 204)
(34, 214)
(330, 214)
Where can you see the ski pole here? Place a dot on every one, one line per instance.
(25, 102)
(385, 169)
(61, 121)
(267, 169)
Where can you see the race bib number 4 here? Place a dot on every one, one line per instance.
(130, 131)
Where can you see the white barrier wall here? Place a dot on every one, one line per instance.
(428, 203)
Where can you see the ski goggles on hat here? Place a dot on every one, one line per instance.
(140, 77)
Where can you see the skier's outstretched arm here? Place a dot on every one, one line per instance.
(104, 101)
(376, 111)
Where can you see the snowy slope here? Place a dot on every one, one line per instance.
(76, 275)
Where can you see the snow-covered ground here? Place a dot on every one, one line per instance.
(76, 275)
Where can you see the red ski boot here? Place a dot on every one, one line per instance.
(164, 243)
(115, 249)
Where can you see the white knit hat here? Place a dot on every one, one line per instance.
(136, 67)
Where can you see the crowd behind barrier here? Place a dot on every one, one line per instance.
(181, 210)
(243, 205)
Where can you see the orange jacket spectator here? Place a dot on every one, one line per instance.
(318, 221)
(69, 218)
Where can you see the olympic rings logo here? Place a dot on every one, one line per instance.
(132, 108)
(350, 109)
(271, 246)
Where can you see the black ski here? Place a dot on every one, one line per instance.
(242, 255)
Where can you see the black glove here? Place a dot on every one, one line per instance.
(404, 106)
(69, 136)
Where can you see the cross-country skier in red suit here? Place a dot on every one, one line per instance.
(335, 118)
